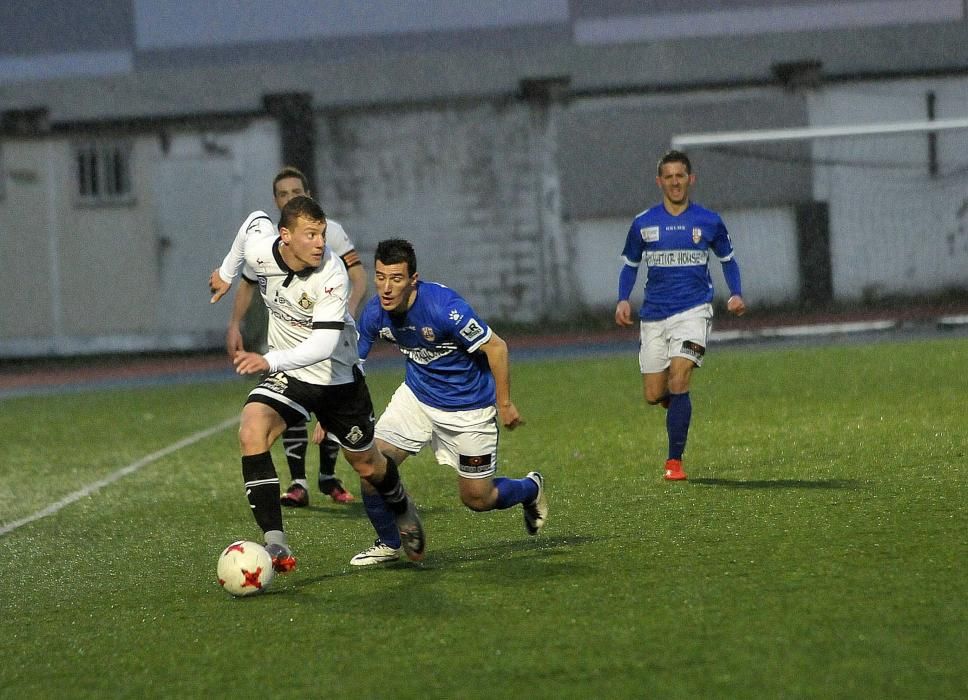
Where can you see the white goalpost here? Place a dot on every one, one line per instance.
(893, 197)
(724, 138)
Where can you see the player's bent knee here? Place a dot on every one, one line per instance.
(253, 439)
(364, 468)
(363, 463)
(477, 505)
(478, 502)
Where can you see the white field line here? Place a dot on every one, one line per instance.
(114, 476)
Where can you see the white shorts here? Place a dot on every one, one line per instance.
(684, 334)
(465, 440)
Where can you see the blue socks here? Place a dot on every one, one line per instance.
(677, 423)
(381, 519)
(511, 492)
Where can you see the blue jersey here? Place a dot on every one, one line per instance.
(676, 252)
(440, 335)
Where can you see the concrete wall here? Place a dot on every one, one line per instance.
(519, 198)
(462, 181)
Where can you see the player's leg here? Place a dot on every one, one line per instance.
(689, 332)
(655, 388)
(348, 415)
(654, 362)
(260, 426)
(328, 452)
(329, 484)
(369, 464)
(386, 547)
(679, 416)
(467, 441)
(295, 440)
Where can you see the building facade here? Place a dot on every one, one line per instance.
(512, 142)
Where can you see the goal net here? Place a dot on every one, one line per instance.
(883, 206)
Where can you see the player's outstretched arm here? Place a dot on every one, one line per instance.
(358, 279)
(233, 333)
(256, 224)
(218, 286)
(496, 351)
(626, 282)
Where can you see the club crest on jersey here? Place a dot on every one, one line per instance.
(262, 284)
(305, 303)
(650, 234)
(696, 235)
(428, 334)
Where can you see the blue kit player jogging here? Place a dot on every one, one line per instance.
(675, 240)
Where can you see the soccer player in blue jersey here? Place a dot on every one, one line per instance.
(675, 238)
(456, 389)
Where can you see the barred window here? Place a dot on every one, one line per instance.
(103, 172)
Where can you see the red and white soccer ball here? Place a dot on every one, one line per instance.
(244, 568)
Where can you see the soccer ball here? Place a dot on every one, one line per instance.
(244, 568)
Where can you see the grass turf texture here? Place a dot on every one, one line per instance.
(818, 549)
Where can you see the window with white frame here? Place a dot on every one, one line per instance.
(103, 170)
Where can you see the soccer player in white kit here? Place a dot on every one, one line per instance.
(312, 367)
(290, 182)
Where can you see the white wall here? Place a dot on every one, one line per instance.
(127, 276)
(895, 228)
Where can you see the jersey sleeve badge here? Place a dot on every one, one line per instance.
(472, 331)
(650, 234)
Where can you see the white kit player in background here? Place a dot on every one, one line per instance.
(312, 367)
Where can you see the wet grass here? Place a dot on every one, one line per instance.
(817, 551)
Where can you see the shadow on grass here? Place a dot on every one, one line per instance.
(500, 559)
(779, 483)
(349, 511)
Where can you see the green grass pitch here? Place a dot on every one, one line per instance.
(817, 551)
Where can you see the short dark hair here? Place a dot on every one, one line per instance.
(673, 156)
(396, 250)
(286, 173)
(300, 206)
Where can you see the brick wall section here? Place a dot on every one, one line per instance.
(462, 181)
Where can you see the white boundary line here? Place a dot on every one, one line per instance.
(114, 476)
